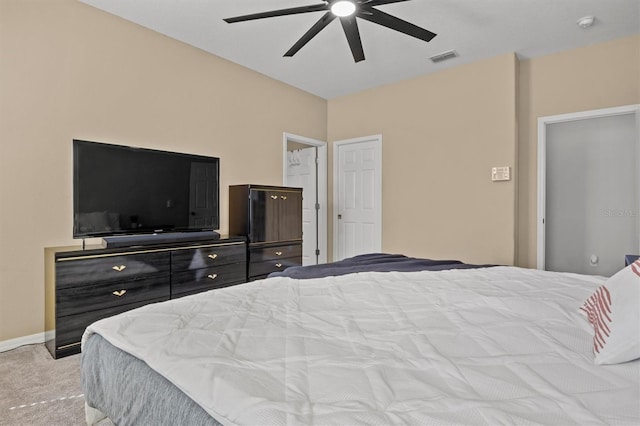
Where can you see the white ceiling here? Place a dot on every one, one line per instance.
(475, 29)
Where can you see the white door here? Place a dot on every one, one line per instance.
(302, 173)
(357, 221)
(591, 192)
(305, 166)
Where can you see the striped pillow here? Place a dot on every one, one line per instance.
(614, 312)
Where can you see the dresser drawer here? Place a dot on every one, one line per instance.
(70, 272)
(203, 257)
(108, 294)
(262, 269)
(69, 332)
(207, 278)
(262, 253)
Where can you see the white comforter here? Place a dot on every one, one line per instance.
(491, 346)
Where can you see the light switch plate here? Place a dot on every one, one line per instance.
(500, 173)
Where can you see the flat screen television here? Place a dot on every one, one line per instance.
(123, 190)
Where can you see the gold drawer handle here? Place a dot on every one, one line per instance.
(274, 197)
(278, 253)
(212, 276)
(284, 197)
(212, 256)
(119, 293)
(278, 265)
(119, 268)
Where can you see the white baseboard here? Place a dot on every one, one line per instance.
(7, 345)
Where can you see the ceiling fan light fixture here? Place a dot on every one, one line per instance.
(343, 8)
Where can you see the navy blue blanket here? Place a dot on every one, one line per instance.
(374, 262)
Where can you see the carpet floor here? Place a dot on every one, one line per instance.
(36, 390)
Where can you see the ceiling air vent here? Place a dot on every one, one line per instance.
(449, 54)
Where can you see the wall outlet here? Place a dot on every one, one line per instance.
(500, 173)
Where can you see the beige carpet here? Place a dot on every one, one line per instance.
(36, 390)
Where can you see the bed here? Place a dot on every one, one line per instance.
(439, 342)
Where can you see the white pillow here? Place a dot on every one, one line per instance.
(614, 312)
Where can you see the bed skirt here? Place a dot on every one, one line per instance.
(127, 391)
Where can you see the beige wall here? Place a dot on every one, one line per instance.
(441, 134)
(70, 71)
(599, 76)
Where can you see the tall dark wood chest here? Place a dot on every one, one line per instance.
(271, 219)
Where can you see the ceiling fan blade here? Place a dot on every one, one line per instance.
(313, 31)
(350, 28)
(280, 12)
(379, 2)
(386, 20)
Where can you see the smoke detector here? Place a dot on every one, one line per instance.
(586, 22)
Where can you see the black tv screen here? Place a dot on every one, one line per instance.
(121, 190)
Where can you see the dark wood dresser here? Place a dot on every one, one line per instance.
(271, 219)
(83, 286)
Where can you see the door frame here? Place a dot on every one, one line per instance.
(377, 139)
(543, 122)
(322, 185)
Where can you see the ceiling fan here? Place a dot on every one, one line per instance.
(347, 11)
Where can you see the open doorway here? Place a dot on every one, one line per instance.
(305, 166)
(588, 190)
